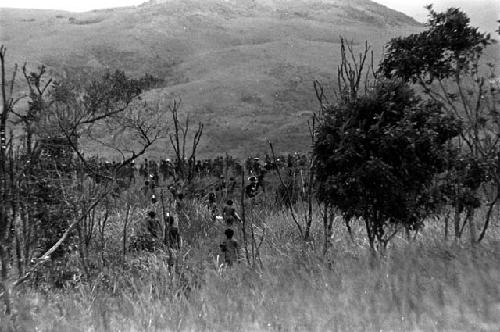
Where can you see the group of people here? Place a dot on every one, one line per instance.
(165, 168)
(161, 229)
(153, 234)
(296, 160)
(230, 247)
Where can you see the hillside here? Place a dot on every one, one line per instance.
(243, 67)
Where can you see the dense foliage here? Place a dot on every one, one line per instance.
(377, 156)
(449, 43)
(445, 62)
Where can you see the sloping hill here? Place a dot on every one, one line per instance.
(243, 67)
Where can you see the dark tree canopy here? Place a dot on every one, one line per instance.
(447, 45)
(377, 155)
(445, 61)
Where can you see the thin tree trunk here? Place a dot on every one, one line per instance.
(243, 221)
(5, 283)
(472, 226)
(488, 217)
(102, 227)
(457, 224)
(253, 243)
(325, 229)
(446, 226)
(370, 232)
(26, 232)
(19, 246)
(309, 204)
(82, 250)
(124, 239)
(226, 182)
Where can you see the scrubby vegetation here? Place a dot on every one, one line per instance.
(353, 237)
(425, 284)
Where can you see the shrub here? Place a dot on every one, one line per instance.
(377, 156)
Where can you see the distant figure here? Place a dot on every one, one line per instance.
(248, 164)
(179, 203)
(131, 172)
(229, 214)
(256, 165)
(251, 188)
(221, 185)
(153, 226)
(260, 181)
(231, 186)
(152, 181)
(179, 210)
(267, 161)
(230, 248)
(212, 204)
(172, 232)
(149, 234)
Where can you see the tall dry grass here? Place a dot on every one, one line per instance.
(422, 285)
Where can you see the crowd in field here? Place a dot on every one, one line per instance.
(165, 169)
(164, 233)
(162, 187)
(160, 228)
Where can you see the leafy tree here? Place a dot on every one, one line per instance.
(445, 62)
(448, 47)
(377, 155)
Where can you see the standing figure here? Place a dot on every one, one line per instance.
(251, 188)
(180, 211)
(145, 168)
(230, 248)
(212, 204)
(248, 165)
(153, 226)
(229, 214)
(256, 166)
(149, 234)
(231, 186)
(260, 181)
(172, 232)
(131, 172)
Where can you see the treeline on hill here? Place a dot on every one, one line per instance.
(416, 137)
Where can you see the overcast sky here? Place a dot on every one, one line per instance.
(70, 5)
(483, 13)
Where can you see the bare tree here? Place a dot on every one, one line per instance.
(8, 102)
(59, 117)
(184, 166)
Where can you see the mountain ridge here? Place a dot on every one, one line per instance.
(244, 70)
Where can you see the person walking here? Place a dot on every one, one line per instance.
(229, 214)
(230, 248)
(172, 237)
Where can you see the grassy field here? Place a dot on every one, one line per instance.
(423, 285)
